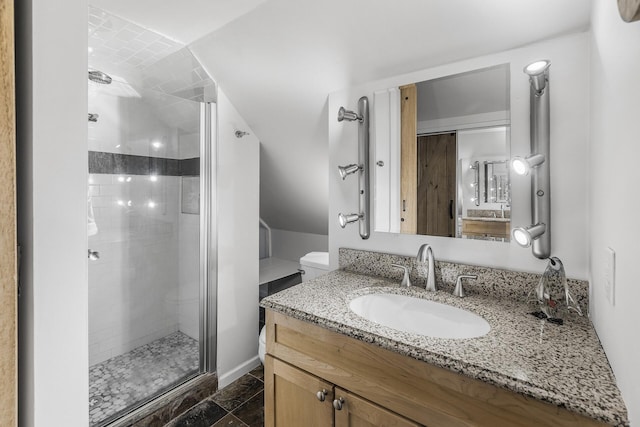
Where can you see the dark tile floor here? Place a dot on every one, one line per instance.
(240, 404)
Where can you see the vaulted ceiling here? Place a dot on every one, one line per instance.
(277, 60)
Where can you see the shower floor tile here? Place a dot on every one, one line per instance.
(123, 381)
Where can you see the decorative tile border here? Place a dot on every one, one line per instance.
(494, 282)
(115, 163)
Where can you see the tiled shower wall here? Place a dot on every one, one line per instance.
(134, 286)
(145, 284)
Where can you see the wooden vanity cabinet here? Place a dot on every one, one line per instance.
(297, 398)
(380, 387)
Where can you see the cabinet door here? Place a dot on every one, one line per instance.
(354, 411)
(295, 398)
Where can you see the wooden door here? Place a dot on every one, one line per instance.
(291, 397)
(437, 184)
(357, 412)
(408, 177)
(8, 274)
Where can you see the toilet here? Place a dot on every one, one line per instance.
(313, 264)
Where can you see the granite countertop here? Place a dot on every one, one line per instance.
(563, 365)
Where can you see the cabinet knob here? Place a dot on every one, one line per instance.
(337, 403)
(321, 395)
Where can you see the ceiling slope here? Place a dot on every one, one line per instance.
(278, 62)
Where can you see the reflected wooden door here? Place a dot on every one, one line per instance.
(437, 184)
(408, 186)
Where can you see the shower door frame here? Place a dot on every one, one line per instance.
(208, 237)
(208, 308)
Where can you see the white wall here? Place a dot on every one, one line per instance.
(569, 113)
(238, 219)
(613, 202)
(292, 245)
(52, 170)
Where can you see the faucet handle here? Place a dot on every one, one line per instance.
(459, 291)
(405, 279)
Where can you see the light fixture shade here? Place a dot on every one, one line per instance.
(522, 166)
(343, 219)
(524, 236)
(537, 67)
(345, 171)
(536, 72)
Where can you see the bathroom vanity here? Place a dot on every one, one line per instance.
(327, 366)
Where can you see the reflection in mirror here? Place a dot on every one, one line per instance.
(446, 143)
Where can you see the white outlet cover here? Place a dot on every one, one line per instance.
(610, 274)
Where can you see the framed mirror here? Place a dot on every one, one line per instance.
(441, 156)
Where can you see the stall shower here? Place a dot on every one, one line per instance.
(149, 104)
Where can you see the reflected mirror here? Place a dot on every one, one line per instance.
(441, 154)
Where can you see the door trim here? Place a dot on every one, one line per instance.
(8, 239)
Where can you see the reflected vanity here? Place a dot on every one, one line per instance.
(441, 153)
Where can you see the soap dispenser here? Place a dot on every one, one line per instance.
(551, 295)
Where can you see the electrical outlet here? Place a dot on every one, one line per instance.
(610, 274)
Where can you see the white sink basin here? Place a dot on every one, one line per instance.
(419, 316)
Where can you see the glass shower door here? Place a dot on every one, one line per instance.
(144, 246)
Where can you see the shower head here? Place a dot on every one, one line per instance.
(100, 77)
(348, 115)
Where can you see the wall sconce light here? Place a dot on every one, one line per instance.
(348, 170)
(362, 117)
(348, 115)
(523, 165)
(343, 219)
(524, 236)
(538, 236)
(537, 72)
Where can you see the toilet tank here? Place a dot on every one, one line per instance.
(314, 264)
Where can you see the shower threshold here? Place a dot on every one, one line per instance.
(123, 383)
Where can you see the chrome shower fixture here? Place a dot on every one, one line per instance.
(537, 72)
(100, 77)
(93, 117)
(537, 164)
(349, 115)
(348, 170)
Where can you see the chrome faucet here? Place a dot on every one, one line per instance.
(459, 291)
(405, 278)
(425, 254)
